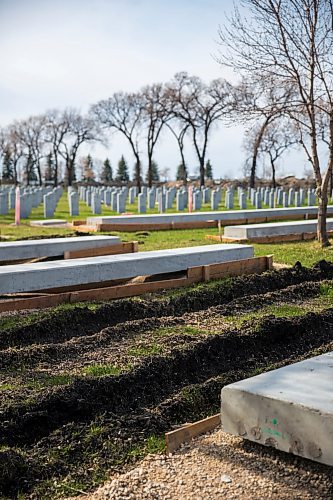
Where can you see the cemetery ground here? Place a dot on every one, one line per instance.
(88, 390)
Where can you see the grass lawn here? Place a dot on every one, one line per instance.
(307, 252)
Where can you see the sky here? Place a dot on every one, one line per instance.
(73, 53)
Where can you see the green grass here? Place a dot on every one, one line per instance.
(326, 290)
(146, 350)
(50, 381)
(316, 304)
(101, 370)
(7, 387)
(181, 330)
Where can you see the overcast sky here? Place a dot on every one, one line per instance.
(62, 53)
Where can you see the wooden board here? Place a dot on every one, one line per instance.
(176, 438)
(192, 275)
(269, 239)
(128, 247)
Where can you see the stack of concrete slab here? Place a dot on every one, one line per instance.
(168, 221)
(274, 231)
(51, 247)
(69, 273)
(290, 409)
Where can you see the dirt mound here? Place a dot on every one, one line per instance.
(91, 389)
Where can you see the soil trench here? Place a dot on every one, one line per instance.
(90, 389)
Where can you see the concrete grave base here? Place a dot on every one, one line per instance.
(290, 408)
(49, 222)
(51, 247)
(274, 231)
(69, 273)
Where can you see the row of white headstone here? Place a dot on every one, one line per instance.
(117, 198)
(30, 197)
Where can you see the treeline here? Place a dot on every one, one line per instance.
(47, 147)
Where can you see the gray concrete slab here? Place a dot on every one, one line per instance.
(51, 247)
(250, 231)
(48, 222)
(205, 216)
(290, 408)
(62, 273)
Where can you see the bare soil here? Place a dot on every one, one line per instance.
(91, 389)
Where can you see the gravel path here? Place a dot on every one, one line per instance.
(219, 466)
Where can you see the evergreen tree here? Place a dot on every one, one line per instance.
(155, 175)
(122, 171)
(49, 169)
(209, 170)
(107, 174)
(88, 174)
(33, 177)
(181, 172)
(7, 166)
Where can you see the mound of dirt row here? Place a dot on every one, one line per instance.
(90, 390)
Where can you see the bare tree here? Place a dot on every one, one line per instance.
(31, 133)
(279, 138)
(273, 141)
(260, 105)
(290, 43)
(124, 113)
(199, 106)
(179, 133)
(57, 128)
(80, 130)
(155, 115)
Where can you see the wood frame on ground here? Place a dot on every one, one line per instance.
(107, 291)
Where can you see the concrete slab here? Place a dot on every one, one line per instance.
(64, 273)
(290, 408)
(48, 222)
(275, 213)
(51, 247)
(251, 231)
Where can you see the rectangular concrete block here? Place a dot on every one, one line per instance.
(62, 273)
(48, 222)
(290, 408)
(250, 231)
(205, 216)
(51, 247)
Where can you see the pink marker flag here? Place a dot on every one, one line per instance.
(17, 207)
(190, 198)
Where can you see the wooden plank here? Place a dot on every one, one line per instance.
(83, 228)
(107, 292)
(41, 302)
(176, 438)
(127, 247)
(128, 290)
(194, 224)
(78, 222)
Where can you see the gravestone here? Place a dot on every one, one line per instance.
(161, 202)
(96, 203)
(74, 204)
(141, 203)
(258, 200)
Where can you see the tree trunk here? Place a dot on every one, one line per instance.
(322, 216)
(256, 150)
(69, 165)
(273, 173)
(202, 172)
(138, 173)
(55, 178)
(150, 172)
